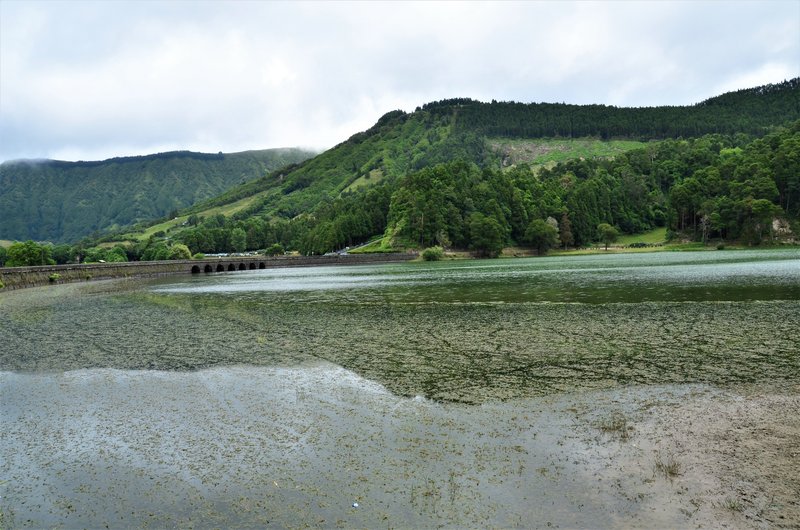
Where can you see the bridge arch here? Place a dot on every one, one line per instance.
(262, 265)
(242, 267)
(231, 267)
(195, 269)
(220, 268)
(208, 268)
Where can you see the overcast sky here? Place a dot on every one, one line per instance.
(92, 80)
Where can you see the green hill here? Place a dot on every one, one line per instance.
(66, 201)
(474, 175)
(420, 177)
(468, 130)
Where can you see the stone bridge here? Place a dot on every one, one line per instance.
(21, 277)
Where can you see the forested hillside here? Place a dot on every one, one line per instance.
(709, 187)
(725, 168)
(432, 177)
(65, 201)
(457, 129)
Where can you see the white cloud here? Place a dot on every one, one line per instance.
(93, 80)
(761, 75)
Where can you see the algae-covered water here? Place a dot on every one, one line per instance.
(427, 394)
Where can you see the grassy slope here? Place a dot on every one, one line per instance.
(653, 237)
(335, 181)
(368, 179)
(226, 209)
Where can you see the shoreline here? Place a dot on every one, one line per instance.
(498, 394)
(13, 278)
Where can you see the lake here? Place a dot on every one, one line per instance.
(424, 393)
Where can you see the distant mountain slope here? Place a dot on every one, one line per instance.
(65, 201)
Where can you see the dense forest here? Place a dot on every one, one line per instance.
(66, 201)
(725, 169)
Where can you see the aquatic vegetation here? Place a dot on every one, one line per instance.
(667, 465)
(455, 331)
(466, 394)
(615, 424)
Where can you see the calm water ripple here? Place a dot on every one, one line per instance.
(635, 278)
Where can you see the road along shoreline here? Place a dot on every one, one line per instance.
(21, 277)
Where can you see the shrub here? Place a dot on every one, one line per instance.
(2, 285)
(276, 249)
(721, 246)
(433, 253)
(54, 277)
(199, 255)
(179, 251)
(117, 255)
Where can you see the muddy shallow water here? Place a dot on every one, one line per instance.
(516, 393)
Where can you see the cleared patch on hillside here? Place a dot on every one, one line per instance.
(373, 177)
(543, 151)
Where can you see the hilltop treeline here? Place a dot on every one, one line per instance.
(749, 111)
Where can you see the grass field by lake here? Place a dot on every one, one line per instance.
(653, 237)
